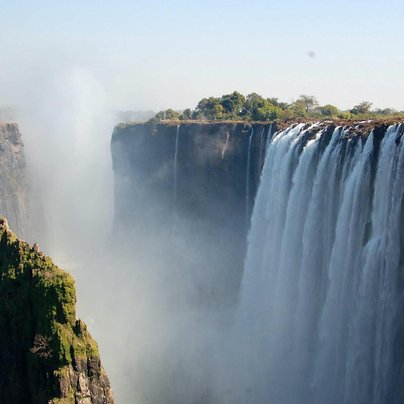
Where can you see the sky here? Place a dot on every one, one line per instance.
(158, 54)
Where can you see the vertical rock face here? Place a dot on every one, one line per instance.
(14, 201)
(46, 354)
(196, 183)
(211, 167)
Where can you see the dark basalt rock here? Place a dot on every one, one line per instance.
(211, 167)
(198, 194)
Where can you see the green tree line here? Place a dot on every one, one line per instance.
(254, 107)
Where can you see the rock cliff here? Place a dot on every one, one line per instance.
(14, 189)
(46, 354)
(194, 183)
(200, 167)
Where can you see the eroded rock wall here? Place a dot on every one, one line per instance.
(14, 187)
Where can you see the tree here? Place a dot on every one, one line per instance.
(298, 109)
(362, 108)
(257, 108)
(171, 114)
(277, 103)
(328, 110)
(159, 116)
(232, 103)
(186, 114)
(168, 114)
(218, 111)
(345, 115)
(254, 107)
(309, 102)
(267, 112)
(303, 106)
(252, 102)
(385, 111)
(207, 107)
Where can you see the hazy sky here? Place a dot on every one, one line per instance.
(156, 54)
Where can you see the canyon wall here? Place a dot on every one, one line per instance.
(194, 183)
(183, 201)
(46, 354)
(14, 187)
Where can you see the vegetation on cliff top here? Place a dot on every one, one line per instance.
(254, 107)
(41, 339)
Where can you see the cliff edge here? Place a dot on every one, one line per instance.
(192, 185)
(46, 354)
(14, 190)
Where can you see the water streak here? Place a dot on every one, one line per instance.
(175, 175)
(247, 183)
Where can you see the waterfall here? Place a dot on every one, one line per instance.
(247, 182)
(321, 304)
(260, 145)
(175, 175)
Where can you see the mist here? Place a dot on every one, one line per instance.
(163, 287)
(160, 278)
(142, 292)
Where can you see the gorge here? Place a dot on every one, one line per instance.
(247, 262)
(47, 355)
(317, 311)
(194, 183)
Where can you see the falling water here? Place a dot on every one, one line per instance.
(260, 145)
(247, 182)
(320, 317)
(175, 178)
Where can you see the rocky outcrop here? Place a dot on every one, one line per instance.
(14, 189)
(46, 354)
